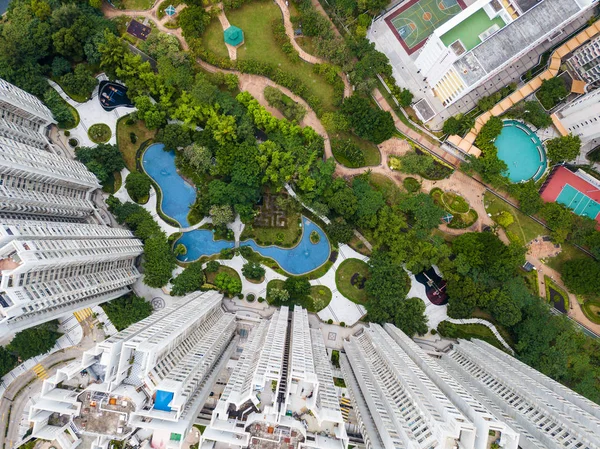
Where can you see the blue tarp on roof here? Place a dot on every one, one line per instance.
(162, 400)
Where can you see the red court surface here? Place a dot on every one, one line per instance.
(562, 176)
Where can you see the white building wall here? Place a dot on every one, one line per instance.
(582, 117)
(550, 415)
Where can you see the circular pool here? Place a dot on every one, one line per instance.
(522, 151)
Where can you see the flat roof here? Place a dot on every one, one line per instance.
(514, 38)
(468, 30)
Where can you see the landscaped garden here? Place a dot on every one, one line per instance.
(468, 332)
(99, 133)
(556, 296)
(130, 135)
(256, 19)
(591, 308)
(522, 229)
(297, 291)
(350, 279)
(462, 214)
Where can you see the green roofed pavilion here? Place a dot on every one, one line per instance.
(233, 36)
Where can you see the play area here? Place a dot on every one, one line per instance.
(414, 21)
(578, 191)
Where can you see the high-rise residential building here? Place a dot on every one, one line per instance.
(547, 414)
(586, 61)
(280, 392)
(582, 116)
(23, 117)
(397, 404)
(469, 396)
(49, 268)
(152, 377)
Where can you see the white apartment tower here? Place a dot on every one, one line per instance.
(22, 116)
(582, 116)
(586, 61)
(155, 375)
(282, 381)
(397, 404)
(54, 258)
(547, 414)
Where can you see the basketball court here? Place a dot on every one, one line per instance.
(416, 20)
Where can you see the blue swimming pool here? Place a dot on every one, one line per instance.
(301, 259)
(177, 195)
(200, 242)
(522, 151)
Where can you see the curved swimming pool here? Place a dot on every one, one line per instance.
(522, 151)
(301, 259)
(177, 195)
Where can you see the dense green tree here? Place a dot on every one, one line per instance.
(278, 295)
(189, 280)
(173, 136)
(60, 66)
(35, 340)
(387, 281)
(559, 219)
(462, 294)
(228, 284)
(344, 202)
(551, 92)
(102, 160)
(369, 123)
(451, 126)
(212, 266)
(193, 21)
(7, 361)
(80, 82)
(297, 286)
(221, 215)
(412, 163)
(127, 310)
(581, 276)
(199, 157)
(564, 148)
(138, 186)
(528, 196)
(158, 263)
(534, 113)
(424, 213)
(253, 270)
(410, 317)
(339, 231)
(369, 201)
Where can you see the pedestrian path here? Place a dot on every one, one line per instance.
(39, 371)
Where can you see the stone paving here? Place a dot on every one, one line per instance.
(91, 113)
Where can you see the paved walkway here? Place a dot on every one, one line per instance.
(90, 113)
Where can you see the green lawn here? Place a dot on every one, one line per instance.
(390, 190)
(523, 226)
(478, 313)
(371, 153)
(591, 308)
(127, 148)
(137, 4)
(469, 331)
(567, 252)
(99, 133)
(213, 38)
(318, 298)
(357, 245)
(343, 279)
(259, 44)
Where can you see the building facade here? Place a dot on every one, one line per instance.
(54, 256)
(546, 414)
(280, 391)
(582, 116)
(152, 377)
(23, 117)
(586, 61)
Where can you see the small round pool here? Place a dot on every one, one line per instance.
(522, 151)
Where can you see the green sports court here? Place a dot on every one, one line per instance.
(416, 20)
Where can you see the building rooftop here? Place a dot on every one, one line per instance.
(471, 30)
(515, 38)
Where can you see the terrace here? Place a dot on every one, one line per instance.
(472, 31)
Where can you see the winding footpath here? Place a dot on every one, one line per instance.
(472, 190)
